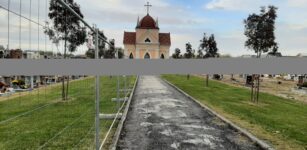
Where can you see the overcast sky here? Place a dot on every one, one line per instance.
(186, 20)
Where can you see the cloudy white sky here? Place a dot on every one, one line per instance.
(185, 20)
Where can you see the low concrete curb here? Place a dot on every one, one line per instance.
(259, 142)
(123, 118)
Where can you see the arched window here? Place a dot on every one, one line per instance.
(131, 56)
(162, 56)
(147, 40)
(147, 56)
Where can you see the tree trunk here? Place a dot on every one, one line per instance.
(63, 82)
(258, 88)
(252, 92)
(67, 85)
(65, 45)
(63, 88)
(258, 82)
(188, 76)
(207, 80)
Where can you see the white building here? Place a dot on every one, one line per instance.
(28, 54)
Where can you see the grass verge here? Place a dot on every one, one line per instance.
(46, 122)
(280, 121)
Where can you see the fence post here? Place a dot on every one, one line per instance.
(126, 92)
(97, 94)
(117, 87)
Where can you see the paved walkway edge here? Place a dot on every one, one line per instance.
(253, 138)
(123, 119)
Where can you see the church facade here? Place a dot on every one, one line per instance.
(147, 42)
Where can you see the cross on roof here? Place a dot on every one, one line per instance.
(148, 5)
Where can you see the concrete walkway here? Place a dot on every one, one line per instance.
(160, 117)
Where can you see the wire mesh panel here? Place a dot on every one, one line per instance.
(56, 111)
(41, 119)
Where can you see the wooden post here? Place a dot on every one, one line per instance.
(252, 92)
(207, 80)
(258, 87)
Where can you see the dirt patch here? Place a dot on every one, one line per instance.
(287, 89)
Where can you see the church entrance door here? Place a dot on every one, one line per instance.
(147, 56)
(162, 56)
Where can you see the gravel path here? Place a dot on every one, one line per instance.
(160, 117)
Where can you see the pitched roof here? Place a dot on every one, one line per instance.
(165, 39)
(129, 37)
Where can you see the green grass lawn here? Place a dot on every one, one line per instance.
(41, 119)
(283, 122)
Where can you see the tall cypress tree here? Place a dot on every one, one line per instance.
(189, 54)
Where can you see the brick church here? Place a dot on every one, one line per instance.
(147, 42)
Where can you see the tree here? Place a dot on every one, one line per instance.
(111, 53)
(275, 52)
(59, 54)
(120, 52)
(189, 51)
(101, 43)
(177, 54)
(90, 53)
(66, 26)
(189, 54)
(209, 46)
(259, 30)
(200, 54)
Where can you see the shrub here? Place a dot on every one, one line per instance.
(21, 82)
(216, 77)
